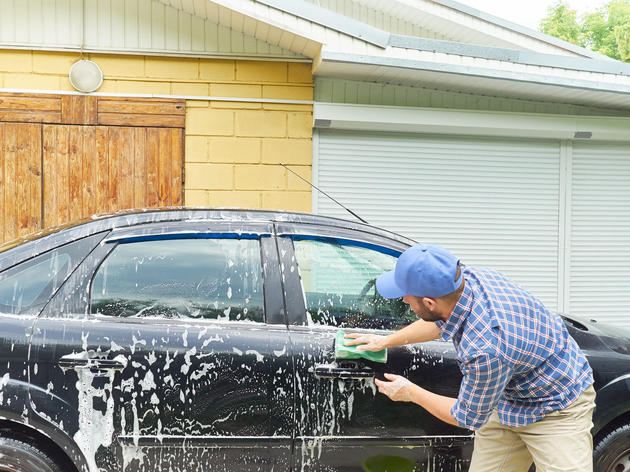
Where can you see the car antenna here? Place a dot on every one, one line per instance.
(320, 190)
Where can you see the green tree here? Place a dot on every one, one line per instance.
(561, 22)
(607, 30)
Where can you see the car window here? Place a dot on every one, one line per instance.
(26, 287)
(339, 285)
(181, 278)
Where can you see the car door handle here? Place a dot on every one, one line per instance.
(325, 371)
(72, 362)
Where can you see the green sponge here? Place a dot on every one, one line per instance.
(350, 352)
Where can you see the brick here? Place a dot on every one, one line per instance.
(139, 86)
(235, 199)
(115, 66)
(235, 90)
(196, 149)
(259, 177)
(287, 92)
(300, 125)
(216, 69)
(300, 73)
(110, 86)
(209, 176)
(197, 104)
(235, 150)
(261, 123)
(65, 85)
(295, 183)
(287, 151)
(196, 198)
(184, 88)
(16, 61)
(293, 201)
(288, 107)
(53, 62)
(261, 71)
(207, 122)
(235, 105)
(32, 81)
(171, 68)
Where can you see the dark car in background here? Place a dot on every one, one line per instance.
(190, 340)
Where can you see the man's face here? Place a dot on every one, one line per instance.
(417, 306)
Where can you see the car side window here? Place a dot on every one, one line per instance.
(26, 287)
(181, 278)
(339, 283)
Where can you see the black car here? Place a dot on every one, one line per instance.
(190, 340)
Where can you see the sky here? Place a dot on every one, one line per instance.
(528, 12)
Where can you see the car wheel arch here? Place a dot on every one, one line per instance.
(31, 435)
(612, 407)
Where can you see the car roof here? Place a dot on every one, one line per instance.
(36, 243)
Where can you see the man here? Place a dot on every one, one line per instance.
(526, 388)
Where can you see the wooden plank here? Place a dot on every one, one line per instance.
(119, 119)
(3, 182)
(32, 95)
(164, 167)
(79, 109)
(126, 168)
(91, 110)
(152, 155)
(26, 103)
(49, 181)
(153, 107)
(88, 177)
(10, 188)
(68, 109)
(102, 168)
(21, 177)
(177, 171)
(140, 168)
(35, 176)
(62, 210)
(30, 117)
(75, 172)
(114, 169)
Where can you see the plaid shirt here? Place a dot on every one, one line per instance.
(514, 354)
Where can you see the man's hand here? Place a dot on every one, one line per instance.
(367, 342)
(398, 389)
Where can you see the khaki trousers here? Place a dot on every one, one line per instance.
(560, 442)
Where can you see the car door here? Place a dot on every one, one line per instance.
(342, 422)
(166, 351)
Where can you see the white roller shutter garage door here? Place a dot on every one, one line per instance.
(599, 272)
(492, 202)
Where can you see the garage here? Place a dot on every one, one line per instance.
(551, 213)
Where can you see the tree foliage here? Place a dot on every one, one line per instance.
(606, 30)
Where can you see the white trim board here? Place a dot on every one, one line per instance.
(469, 122)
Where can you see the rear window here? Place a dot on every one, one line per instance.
(182, 278)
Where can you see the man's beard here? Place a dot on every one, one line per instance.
(429, 315)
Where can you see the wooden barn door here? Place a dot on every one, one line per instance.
(86, 155)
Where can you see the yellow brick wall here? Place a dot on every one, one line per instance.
(233, 148)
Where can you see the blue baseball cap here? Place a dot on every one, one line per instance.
(423, 270)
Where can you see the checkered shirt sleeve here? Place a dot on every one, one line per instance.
(485, 378)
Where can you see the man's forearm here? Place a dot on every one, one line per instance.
(438, 405)
(417, 332)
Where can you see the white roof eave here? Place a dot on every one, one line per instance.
(481, 76)
(545, 38)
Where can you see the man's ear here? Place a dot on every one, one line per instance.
(429, 303)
